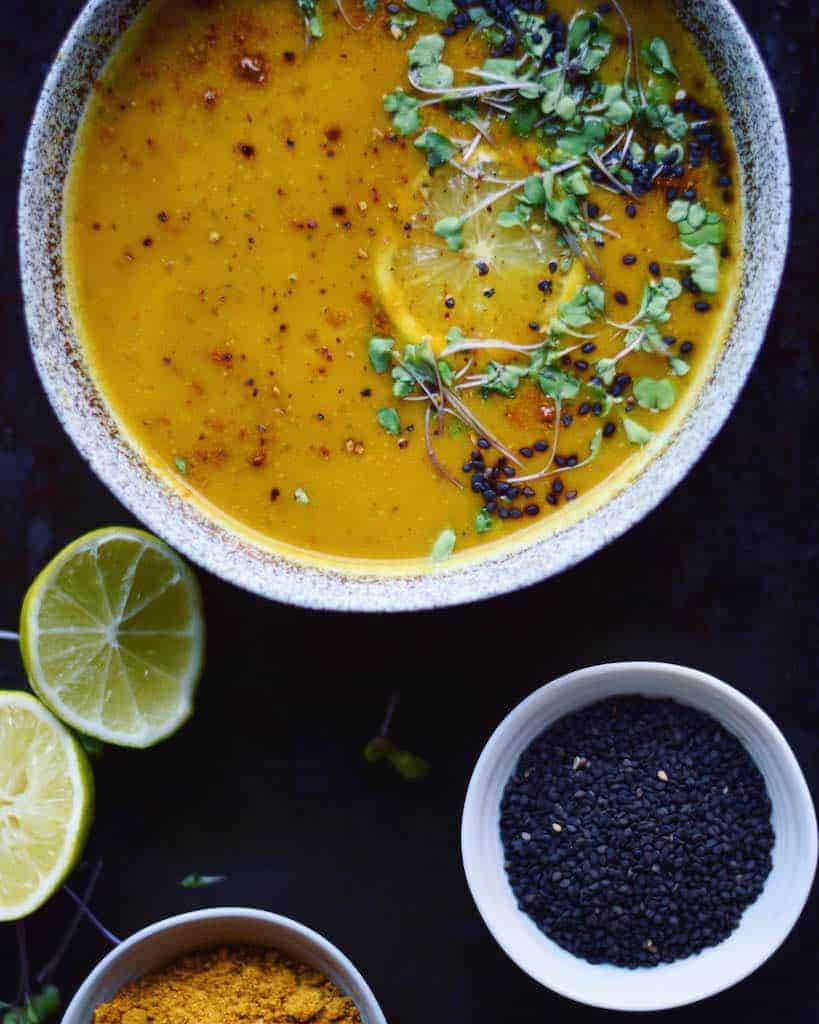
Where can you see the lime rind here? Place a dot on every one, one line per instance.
(22, 715)
(112, 636)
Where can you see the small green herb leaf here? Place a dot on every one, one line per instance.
(657, 56)
(483, 521)
(557, 384)
(678, 366)
(451, 230)
(503, 377)
(197, 881)
(400, 23)
(440, 9)
(388, 419)
(654, 394)
(661, 116)
(438, 147)
(443, 546)
(635, 432)
(696, 224)
(379, 351)
(704, 264)
(406, 118)
(181, 465)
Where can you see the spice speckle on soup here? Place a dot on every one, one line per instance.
(387, 282)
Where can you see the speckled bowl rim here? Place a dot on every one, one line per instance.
(313, 581)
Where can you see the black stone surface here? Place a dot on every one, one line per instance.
(266, 784)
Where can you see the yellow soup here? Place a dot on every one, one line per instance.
(410, 283)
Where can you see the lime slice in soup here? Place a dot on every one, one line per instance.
(427, 287)
(46, 800)
(112, 635)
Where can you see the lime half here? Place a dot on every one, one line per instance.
(113, 637)
(46, 800)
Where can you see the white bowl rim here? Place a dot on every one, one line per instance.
(329, 585)
(331, 951)
(532, 705)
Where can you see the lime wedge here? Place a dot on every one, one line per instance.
(46, 800)
(113, 637)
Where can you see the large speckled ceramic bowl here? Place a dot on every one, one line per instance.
(310, 579)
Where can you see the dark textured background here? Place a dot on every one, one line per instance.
(266, 784)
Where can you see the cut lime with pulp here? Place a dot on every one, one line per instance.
(426, 288)
(113, 637)
(46, 800)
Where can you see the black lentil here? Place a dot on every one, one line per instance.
(636, 832)
(609, 429)
(631, 210)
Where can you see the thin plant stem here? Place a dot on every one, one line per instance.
(8, 634)
(48, 971)
(24, 986)
(92, 917)
(392, 707)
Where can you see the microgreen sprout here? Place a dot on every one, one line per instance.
(382, 748)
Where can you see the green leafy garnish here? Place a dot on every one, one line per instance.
(379, 351)
(696, 224)
(407, 765)
(446, 373)
(406, 118)
(400, 23)
(301, 496)
(557, 384)
(451, 230)
(578, 141)
(438, 147)
(657, 56)
(38, 1007)
(425, 60)
(312, 18)
(483, 521)
(440, 9)
(197, 881)
(635, 432)
(443, 546)
(678, 366)
(503, 378)
(388, 419)
(704, 264)
(181, 465)
(656, 297)
(661, 116)
(654, 394)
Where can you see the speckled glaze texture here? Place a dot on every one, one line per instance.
(761, 145)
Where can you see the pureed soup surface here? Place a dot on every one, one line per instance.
(285, 270)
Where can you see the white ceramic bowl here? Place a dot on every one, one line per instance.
(764, 925)
(162, 942)
(286, 574)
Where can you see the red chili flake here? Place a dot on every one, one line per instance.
(221, 357)
(258, 459)
(339, 210)
(332, 133)
(289, 56)
(366, 297)
(252, 67)
(274, 493)
(148, 242)
(246, 150)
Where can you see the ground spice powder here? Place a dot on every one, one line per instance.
(230, 985)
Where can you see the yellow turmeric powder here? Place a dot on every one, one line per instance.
(230, 985)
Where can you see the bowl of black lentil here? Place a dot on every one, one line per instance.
(638, 836)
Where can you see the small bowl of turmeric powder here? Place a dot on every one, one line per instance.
(225, 966)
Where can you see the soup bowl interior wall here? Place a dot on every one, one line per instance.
(313, 581)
